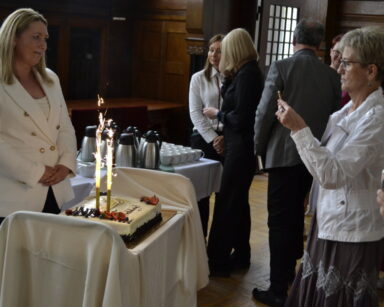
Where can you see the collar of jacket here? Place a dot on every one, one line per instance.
(349, 121)
(304, 51)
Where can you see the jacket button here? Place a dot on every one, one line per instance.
(26, 114)
(52, 148)
(342, 202)
(58, 127)
(33, 134)
(42, 150)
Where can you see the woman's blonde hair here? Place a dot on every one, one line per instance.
(15, 24)
(237, 49)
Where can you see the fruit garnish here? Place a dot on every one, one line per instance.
(154, 200)
(68, 212)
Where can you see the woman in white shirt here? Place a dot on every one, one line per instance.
(204, 91)
(345, 247)
(37, 139)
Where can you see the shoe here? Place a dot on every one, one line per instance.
(268, 298)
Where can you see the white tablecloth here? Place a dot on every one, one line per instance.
(204, 174)
(169, 266)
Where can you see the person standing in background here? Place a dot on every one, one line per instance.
(335, 54)
(37, 139)
(241, 92)
(204, 91)
(314, 90)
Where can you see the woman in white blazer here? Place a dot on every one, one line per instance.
(37, 139)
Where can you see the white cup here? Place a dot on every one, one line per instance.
(166, 158)
(198, 154)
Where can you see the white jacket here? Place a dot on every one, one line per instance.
(28, 142)
(348, 170)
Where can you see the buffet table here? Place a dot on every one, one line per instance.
(165, 270)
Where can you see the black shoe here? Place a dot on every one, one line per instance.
(268, 298)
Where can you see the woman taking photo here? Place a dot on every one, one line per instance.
(345, 247)
(241, 92)
(37, 140)
(204, 91)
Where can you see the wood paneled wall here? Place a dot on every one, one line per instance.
(161, 62)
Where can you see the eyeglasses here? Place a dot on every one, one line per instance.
(346, 63)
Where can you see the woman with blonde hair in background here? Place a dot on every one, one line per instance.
(241, 92)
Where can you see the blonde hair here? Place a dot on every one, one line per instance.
(368, 43)
(237, 49)
(15, 24)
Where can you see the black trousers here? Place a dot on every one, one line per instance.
(50, 205)
(287, 189)
(198, 142)
(231, 225)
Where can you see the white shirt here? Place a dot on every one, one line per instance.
(202, 94)
(43, 105)
(348, 170)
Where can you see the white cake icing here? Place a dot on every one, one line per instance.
(137, 212)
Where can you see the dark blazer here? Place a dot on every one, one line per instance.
(241, 97)
(312, 88)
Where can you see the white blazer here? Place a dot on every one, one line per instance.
(28, 142)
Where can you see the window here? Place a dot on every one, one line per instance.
(281, 25)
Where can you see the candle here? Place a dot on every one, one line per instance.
(98, 157)
(110, 141)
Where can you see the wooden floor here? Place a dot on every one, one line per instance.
(236, 290)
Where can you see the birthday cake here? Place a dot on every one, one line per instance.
(129, 217)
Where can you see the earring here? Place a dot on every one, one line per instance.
(369, 83)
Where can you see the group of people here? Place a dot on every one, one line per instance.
(291, 120)
(311, 142)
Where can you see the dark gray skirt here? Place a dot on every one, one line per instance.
(337, 273)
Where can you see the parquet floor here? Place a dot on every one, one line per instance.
(236, 290)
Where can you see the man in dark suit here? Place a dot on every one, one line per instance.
(313, 89)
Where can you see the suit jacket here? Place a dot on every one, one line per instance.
(241, 97)
(28, 142)
(312, 88)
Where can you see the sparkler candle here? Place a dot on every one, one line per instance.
(98, 157)
(110, 142)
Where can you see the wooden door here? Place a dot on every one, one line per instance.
(278, 21)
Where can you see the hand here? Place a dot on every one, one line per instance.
(48, 173)
(218, 144)
(380, 200)
(210, 112)
(288, 117)
(58, 174)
